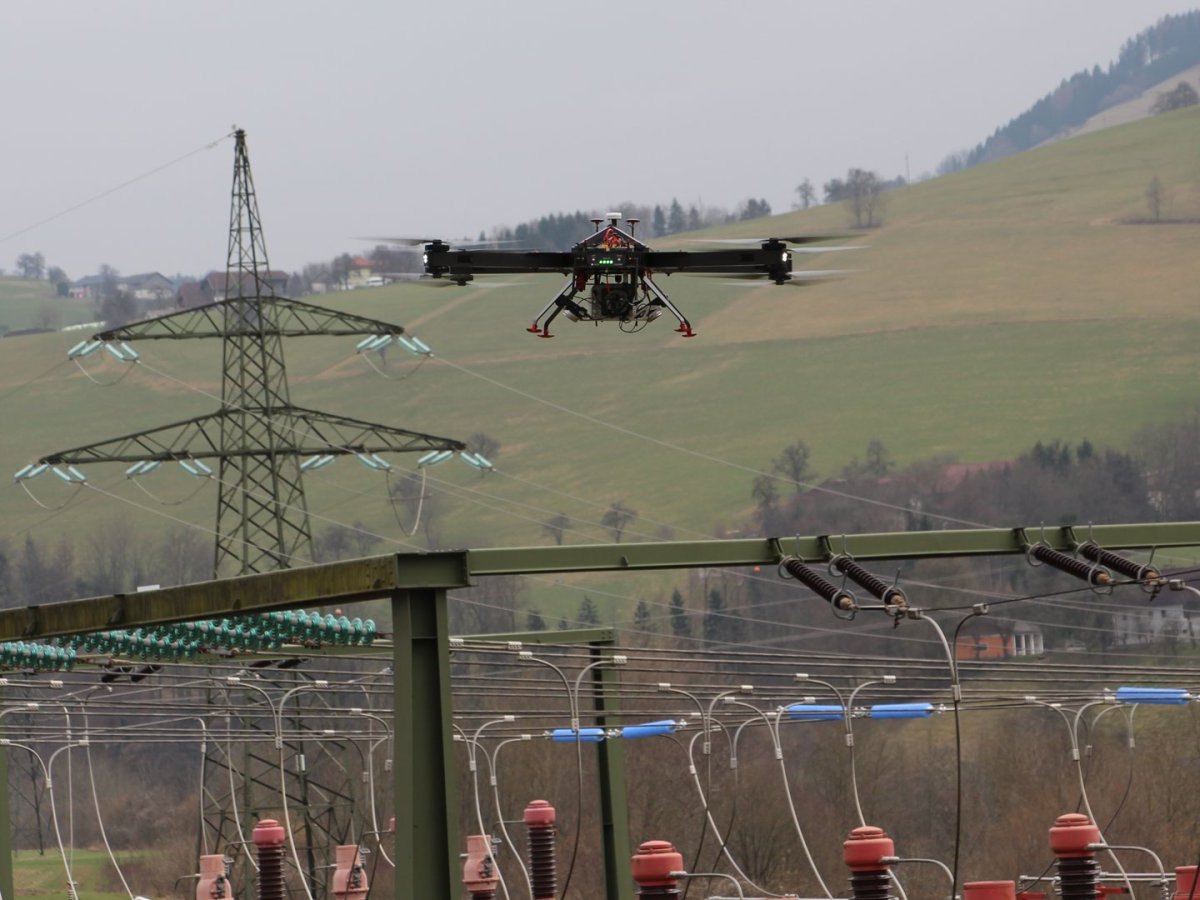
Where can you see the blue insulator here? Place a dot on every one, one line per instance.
(433, 457)
(367, 461)
(422, 347)
(87, 349)
(22, 472)
(74, 351)
(379, 342)
(482, 462)
(362, 345)
(116, 352)
(807, 712)
(901, 711)
(1138, 694)
(648, 729)
(408, 344)
(381, 462)
(76, 474)
(316, 462)
(130, 354)
(585, 736)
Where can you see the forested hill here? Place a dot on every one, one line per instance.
(1158, 53)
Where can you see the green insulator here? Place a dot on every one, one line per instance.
(369, 631)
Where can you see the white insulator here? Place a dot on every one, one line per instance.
(433, 457)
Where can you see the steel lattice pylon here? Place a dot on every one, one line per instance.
(257, 437)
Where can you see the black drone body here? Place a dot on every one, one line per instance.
(610, 274)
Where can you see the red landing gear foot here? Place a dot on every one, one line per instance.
(545, 334)
(685, 331)
(533, 329)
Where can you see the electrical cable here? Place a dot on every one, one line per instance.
(113, 190)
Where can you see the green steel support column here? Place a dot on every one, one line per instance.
(426, 806)
(6, 848)
(614, 812)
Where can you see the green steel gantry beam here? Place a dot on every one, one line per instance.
(427, 842)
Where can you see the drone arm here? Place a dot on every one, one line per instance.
(774, 261)
(442, 260)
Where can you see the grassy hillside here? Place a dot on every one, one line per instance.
(33, 304)
(996, 307)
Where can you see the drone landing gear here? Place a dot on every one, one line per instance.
(661, 299)
(562, 301)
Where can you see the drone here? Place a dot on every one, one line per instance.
(610, 273)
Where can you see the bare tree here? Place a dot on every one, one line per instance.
(31, 265)
(864, 193)
(792, 464)
(617, 518)
(806, 194)
(556, 526)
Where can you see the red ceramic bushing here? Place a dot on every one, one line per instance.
(1185, 883)
(990, 890)
(866, 846)
(654, 862)
(1071, 834)
(268, 833)
(539, 813)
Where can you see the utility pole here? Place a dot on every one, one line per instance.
(261, 445)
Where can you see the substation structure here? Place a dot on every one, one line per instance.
(427, 842)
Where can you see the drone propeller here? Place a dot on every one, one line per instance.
(801, 278)
(800, 239)
(464, 244)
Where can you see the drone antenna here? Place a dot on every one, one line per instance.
(632, 225)
(596, 223)
(613, 218)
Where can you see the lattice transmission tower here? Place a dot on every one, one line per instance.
(259, 440)
(259, 445)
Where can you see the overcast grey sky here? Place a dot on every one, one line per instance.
(447, 118)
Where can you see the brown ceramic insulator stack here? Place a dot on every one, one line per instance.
(653, 865)
(990, 890)
(1078, 872)
(543, 865)
(863, 852)
(268, 845)
(1093, 575)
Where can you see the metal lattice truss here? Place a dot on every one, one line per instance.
(294, 431)
(277, 316)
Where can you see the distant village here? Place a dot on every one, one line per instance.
(156, 290)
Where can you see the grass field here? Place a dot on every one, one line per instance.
(34, 304)
(996, 307)
(44, 876)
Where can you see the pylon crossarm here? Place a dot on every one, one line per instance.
(355, 436)
(303, 432)
(279, 316)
